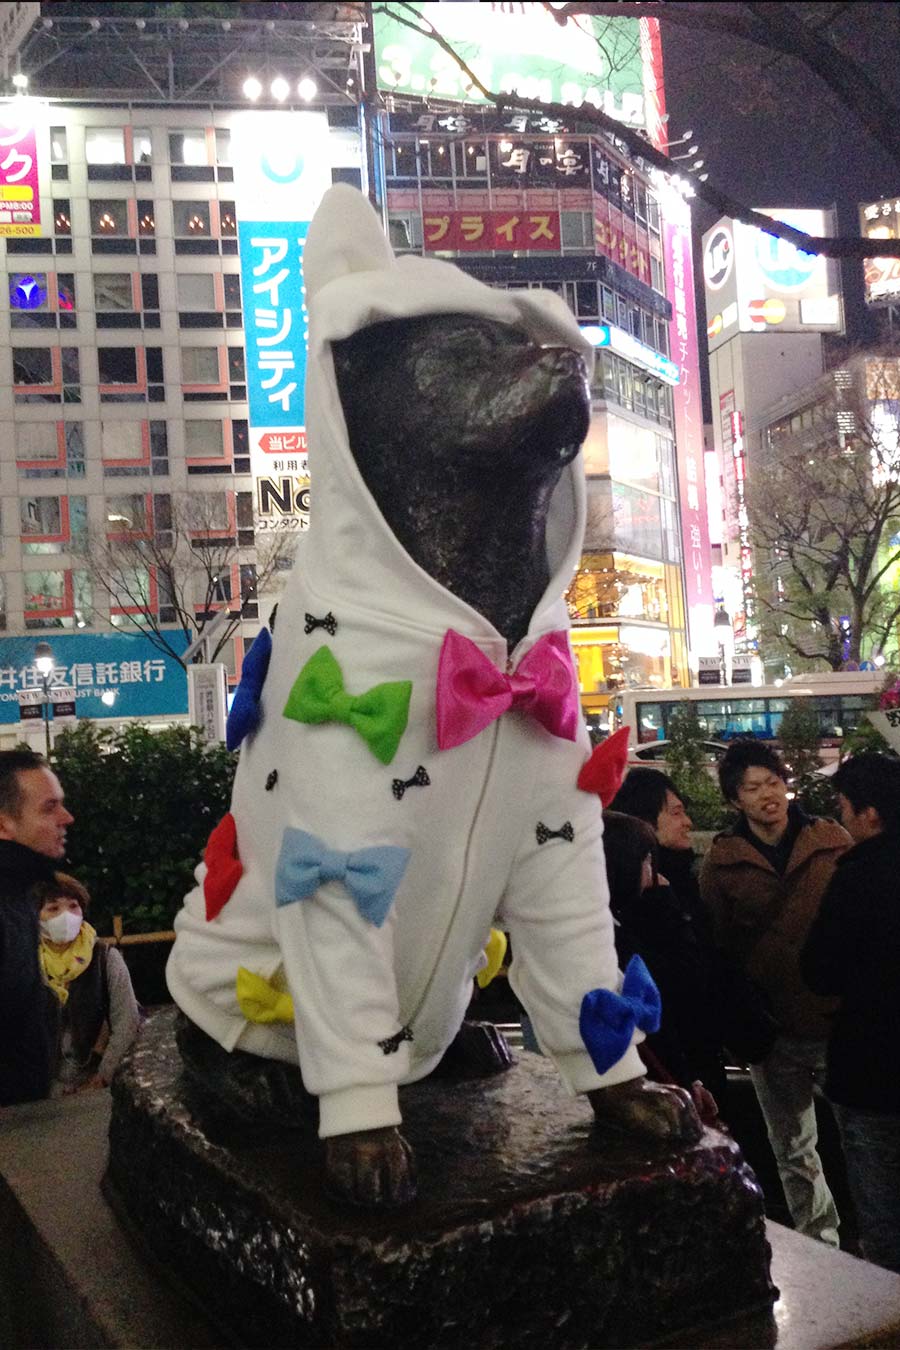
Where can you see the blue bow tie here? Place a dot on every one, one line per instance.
(371, 875)
(607, 1021)
(245, 710)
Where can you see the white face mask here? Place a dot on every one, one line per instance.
(63, 927)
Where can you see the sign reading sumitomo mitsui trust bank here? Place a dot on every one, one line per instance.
(281, 171)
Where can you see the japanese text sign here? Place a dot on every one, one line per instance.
(144, 680)
(20, 202)
(482, 231)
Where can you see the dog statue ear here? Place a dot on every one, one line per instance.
(346, 236)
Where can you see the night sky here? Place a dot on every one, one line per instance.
(772, 134)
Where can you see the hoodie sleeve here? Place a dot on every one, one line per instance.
(340, 972)
(556, 908)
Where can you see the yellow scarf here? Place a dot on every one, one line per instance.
(60, 968)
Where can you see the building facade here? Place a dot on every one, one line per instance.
(525, 204)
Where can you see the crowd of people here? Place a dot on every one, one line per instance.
(67, 1007)
(781, 950)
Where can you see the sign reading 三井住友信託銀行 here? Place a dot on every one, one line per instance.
(143, 681)
(281, 172)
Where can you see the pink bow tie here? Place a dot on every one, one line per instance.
(472, 692)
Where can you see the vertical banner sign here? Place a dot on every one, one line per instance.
(684, 350)
(20, 201)
(281, 171)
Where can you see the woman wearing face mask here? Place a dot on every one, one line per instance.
(96, 1011)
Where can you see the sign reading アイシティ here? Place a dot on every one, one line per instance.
(281, 171)
(143, 682)
(20, 201)
(513, 49)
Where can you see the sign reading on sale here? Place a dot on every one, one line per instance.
(20, 202)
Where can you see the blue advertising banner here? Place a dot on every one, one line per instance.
(143, 680)
(275, 320)
(281, 171)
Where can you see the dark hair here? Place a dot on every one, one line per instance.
(742, 754)
(872, 779)
(643, 794)
(627, 841)
(61, 887)
(12, 763)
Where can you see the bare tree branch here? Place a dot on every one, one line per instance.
(587, 117)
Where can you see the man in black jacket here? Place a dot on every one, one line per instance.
(33, 822)
(853, 949)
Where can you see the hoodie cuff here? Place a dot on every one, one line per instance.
(579, 1075)
(358, 1108)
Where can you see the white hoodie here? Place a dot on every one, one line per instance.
(471, 832)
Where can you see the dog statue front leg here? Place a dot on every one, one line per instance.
(647, 1112)
(373, 1169)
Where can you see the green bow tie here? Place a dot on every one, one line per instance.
(380, 715)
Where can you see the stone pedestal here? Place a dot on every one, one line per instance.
(529, 1229)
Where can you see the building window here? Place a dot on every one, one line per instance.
(203, 439)
(59, 146)
(150, 291)
(36, 441)
(657, 280)
(39, 519)
(232, 287)
(62, 216)
(223, 146)
(32, 365)
(200, 365)
(142, 142)
(577, 228)
(108, 218)
(159, 447)
(227, 220)
(146, 218)
(126, 515)
(28, 291)
(117, 365)
(113, 291)
(104, 145)
(51, 598)
(188, 147)
(191, 219)
(122, 440)
(196, 291)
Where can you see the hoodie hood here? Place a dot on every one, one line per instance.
(351, 556)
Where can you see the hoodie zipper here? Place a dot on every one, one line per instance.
(495, 735)
(494, 732)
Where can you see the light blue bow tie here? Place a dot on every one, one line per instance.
(371, 875)
(608, 1020)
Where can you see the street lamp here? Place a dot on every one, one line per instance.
(43, 659)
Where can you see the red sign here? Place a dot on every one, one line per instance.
(283, 442)
(613, 242)
(485, 231)
(20, 203)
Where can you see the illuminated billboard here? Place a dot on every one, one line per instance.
(281, 171)
(881, 220)
(20, 201)
(758, 283)
(515, 49)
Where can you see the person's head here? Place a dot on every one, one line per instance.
(63, 904)
(31, 803)
(754, 780)
(651, 795)
(868, 788)
(630, 848)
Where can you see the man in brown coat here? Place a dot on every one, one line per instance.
(763, 882)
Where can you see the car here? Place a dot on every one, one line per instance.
(656, 752)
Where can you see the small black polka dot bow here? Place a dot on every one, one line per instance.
(329, 623)
(392, 1044)
(419, 779)
(542, 834)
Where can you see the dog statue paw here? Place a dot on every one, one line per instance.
(650, 1112)
(371, 1169)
